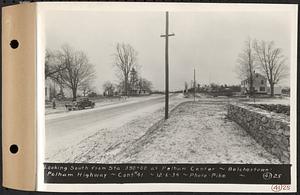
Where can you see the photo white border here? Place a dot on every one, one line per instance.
(44, 7)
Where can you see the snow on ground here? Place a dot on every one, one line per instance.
(58, 109)
(100, 106)
(100, 141)
(199, 133)
(196, 132)
(275, 100)
(104, 102)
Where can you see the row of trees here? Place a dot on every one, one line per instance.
(126, 65)
(211, 87)
(141, 84)
(264, 57)
(70, 69)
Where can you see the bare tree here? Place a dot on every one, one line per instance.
(108, 88)
(125, 60)
(271, 61)
(52, 64)
(78, 70)
(186, 87)
(133, 79)
(145, 84)
(246, 65)
(86, 88)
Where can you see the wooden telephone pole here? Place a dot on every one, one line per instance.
(166, 36)
(194, 85)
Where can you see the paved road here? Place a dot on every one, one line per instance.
(68, 124)
(67, 129)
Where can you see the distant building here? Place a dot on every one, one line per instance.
(259, 84)
(277, 90)
(286, 91)
(53, 90)
(50, 89)
(138, 91)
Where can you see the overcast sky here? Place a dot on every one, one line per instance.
(208, 41)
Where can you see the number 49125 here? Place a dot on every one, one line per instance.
(278, 188)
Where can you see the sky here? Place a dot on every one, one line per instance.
(208, 41)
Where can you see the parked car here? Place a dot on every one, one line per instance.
(80, 104)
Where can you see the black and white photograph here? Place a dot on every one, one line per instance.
(206, 86)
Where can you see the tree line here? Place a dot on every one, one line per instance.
(212, 87)
(264, 57)
(70, 69)
(129, 80)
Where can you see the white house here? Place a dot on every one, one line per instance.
(259, 84)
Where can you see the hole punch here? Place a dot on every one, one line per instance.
(14, 44)
(14, 149)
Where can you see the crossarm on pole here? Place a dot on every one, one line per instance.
(169, 35)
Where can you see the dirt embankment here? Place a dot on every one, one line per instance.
(198, 133)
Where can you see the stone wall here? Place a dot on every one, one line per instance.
(278, 108)
(270, 130)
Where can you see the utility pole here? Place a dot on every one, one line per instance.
(167, 35)
(194, 85)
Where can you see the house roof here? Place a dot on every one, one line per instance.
(256, 74)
